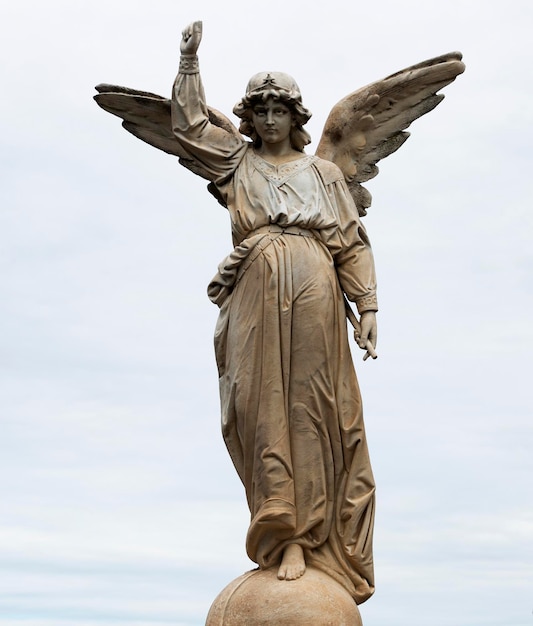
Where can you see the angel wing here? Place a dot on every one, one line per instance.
(369, 124)
(147, 116)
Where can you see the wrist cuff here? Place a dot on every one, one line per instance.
(368, 303)
(189, 64)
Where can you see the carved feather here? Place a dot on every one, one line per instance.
(147, 116)
(369, 124)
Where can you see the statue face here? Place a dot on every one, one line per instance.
(272, 121)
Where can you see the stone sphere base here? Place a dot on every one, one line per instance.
(258, 598)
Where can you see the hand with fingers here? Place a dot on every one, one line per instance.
(191, 38)
(369, 334)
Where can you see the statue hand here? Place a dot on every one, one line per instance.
(191, 38)
(369, 334)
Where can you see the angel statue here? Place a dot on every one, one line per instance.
(291, 408)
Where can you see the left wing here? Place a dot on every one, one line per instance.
(147, 116)
(369, 124)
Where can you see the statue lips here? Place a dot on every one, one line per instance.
(270, 132)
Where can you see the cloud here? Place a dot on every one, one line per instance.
(121, 503)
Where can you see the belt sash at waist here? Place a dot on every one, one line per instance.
(282, 230)
(232, 268)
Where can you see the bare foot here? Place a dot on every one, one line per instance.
(293, 563)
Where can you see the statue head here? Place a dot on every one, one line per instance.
(278, 86)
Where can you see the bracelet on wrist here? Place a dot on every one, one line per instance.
(189, 64)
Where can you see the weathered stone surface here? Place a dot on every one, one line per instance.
(258, 598)
(291, 407)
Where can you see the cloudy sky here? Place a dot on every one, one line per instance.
(118, 502)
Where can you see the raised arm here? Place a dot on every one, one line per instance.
(218, 150)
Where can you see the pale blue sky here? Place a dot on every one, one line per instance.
(119, 504)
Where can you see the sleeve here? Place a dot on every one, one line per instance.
(349, 244)
(216, 149)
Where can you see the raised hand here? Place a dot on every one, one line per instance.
(191, 38)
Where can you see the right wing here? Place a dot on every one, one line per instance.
(369, 124)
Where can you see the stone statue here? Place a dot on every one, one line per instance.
(291, 409)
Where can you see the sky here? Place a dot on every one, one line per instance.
(118, 502)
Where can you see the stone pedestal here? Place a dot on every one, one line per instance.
(258, 598)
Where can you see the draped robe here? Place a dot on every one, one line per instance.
(291, 408)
